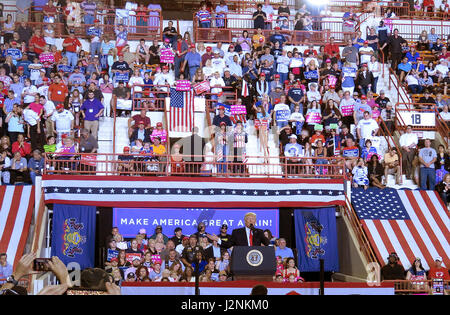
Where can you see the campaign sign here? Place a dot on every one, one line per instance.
(347, 110)
(15, 53)
(111, 254)
(282, 115)
(167, 55)
(313, 118)
(201, 87)
(349, 71)
(46, 59)
(159, 133)
(183, 85)
(122, 77)
(130, 256)
(332, 80)
(130, 220)
(238, 110)
(65, 68)
(310, 75)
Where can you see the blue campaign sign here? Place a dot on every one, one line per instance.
(129, 221)
(309, 75)
(15, 53)
(65, 68)
(122, 77)
(350, 71)
(282, 115)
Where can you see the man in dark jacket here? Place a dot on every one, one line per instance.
(395, 42)
(364, 80)
(392, 270)
(140, 133)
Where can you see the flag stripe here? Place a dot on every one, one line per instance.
(402, 240)
(394, 241)
(436, 230)
(376, 240)
(424, 252)
(435, 245)
(181, 114)
(417, 222)
(5, 207)
(443, 213)
(15, 203)
(384, 237)
(412, 241)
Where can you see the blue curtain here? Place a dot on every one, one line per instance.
(311, 245)
(73, 234)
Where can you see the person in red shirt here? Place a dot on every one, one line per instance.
(331, 49)
(437, 271)
(58, 91)
(37, 42)
(72, 45)
(24, 148)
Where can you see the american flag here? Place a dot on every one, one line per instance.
(16, 209)
(411, 223)
(115, 191)
(181, 117)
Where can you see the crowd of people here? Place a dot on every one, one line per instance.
(179, 258)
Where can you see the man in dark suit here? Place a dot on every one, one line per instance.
(140, 133)
(192, 149)
(245, 236)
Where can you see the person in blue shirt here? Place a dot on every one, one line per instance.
(277, 37)
(403, 68)
(36, 165)
(192, 60)
(24, 63)
(250, 70)
(282, 250)
(6, 269)
(91, 110)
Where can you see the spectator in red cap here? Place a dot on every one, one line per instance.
(181, 49)
(277, 37)
(134, 120)
(184, 243)
(125, 165)
(72, 46)
(365, 52)
(63, 121)
(159, 132)
(221, 118)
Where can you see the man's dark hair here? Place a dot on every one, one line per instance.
(94, 278)
(2, 254)
(259, 289)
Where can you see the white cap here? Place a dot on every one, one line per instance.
(438, 258)
(292, 137)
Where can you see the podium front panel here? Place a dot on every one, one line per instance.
(253, 260)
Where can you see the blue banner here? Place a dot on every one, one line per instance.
(282, 115)
(310, 75)
(316, 238)
(73, 235)
(122, 77)
(129, 221)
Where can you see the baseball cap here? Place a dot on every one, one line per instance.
(363, 97)
(231, 46)
(438, 258)
(20, 68)
(141, 122)
(136, 258)
(277, 75)
(224, 226)
(159, 124)
(223, 123)
(221, 108)
(13, 43)
(167, 40)
(366, 42)
(332, 87)
(192, 45)
(292, 137)
(328, 61)
(96, 21)
(59, 106)
(45, 79)
(185, 238)
(126, 149)
(114, 259)
(209, 48)
(278, 86)
(262, 74)
(278, 28)
(120, 54)
(364, 65)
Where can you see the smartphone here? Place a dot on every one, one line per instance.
(81, 291)
(41, 264)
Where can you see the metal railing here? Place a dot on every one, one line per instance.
(417, 286)
(203, 165)
(384, 130)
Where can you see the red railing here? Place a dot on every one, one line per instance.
(395, 81)
(385, 132)
(418, 286)
(206, 165)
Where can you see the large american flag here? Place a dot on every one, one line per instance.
(412, 223)
(16, 209)
(181, 115)
(119, 191)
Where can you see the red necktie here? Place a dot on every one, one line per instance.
(251, 238)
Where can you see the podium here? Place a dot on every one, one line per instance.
(253, 263)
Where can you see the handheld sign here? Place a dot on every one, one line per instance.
(183, 85)
(238, 110)
(313, 118)
(347, 110)
(201, 87)
(282, 115)
(167, 56)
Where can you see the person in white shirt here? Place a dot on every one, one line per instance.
(235, 67)
(442, 69)
(164, 78)
(63, 121)
(269, 11)
(375, 67)
(313, 94)
(218, 63)
(366, 128)
(49, 109)
(28, 92)
(408, 143)
(229, 55)
(365, 52)
(216, 84)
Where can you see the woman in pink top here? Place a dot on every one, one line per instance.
(36, 106)
(159, 132)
